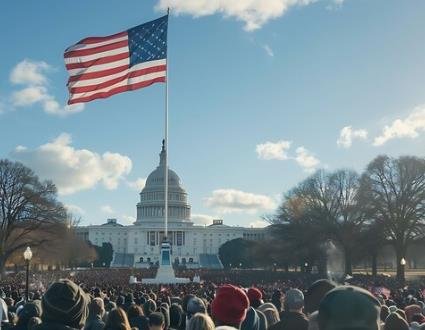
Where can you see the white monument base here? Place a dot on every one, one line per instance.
(165, 274)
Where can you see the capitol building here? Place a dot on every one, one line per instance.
(138, 245)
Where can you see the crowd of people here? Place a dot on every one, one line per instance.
(103, 299)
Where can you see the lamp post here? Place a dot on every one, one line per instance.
(306, 267)
(403, 265)
(27, 257)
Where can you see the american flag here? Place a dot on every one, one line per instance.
(99, 67)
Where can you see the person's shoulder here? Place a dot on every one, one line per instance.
(276, 326)
(48, 326)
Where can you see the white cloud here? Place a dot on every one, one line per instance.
(273, 150)
(31, 74)
(72, 169)
(279, 151)
(29, 96)
(254, 13)
(306, 160)
(138, 184)
(28, 72)
(348, 134)
(258, 224)
(268, 50)
(74, 209)
(232, 200)
(107, 209)
(202, 219)
(409, 127)
(128, 219)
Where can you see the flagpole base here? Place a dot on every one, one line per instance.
(165, 273)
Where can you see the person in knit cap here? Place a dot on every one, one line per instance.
(255, 297)
(96, 313)
(194, 305)
(28, 311)
(254, 320)
(349, 307)
(412, 310)
(229, 306)
(395, 322)
(270, 312)
(293, 317)
(315, 294)
(64, 306)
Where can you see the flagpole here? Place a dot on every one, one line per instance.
(166, 142)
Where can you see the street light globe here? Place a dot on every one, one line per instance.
(306, 264)
(28, 254)
(403, 262)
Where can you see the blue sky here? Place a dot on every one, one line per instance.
(260, 93)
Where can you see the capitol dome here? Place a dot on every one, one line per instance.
(151, 205)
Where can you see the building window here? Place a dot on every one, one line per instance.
(180, 238)
(152, 238)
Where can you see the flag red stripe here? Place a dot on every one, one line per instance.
(93, 40)
(95, 50)
(116, 91)
(103, 60)
(91, 88)
(97, 74)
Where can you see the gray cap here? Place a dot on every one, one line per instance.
(294, 299)
(195, 305)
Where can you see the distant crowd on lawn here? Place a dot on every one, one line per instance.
(103, 299)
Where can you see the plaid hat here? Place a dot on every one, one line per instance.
(230, 305)
(65, 303)
(294, 299)
(349, 307)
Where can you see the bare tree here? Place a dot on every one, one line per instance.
(326, 206)
(394, 190)
(27, 207)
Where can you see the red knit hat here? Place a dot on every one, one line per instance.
(230, 305)
(254, 295)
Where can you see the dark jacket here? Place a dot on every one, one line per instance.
(291, 321)
(53, 326)
(139, 322)
(94, 323)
